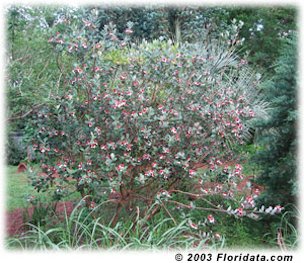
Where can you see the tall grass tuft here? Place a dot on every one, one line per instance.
(285, 233)
(83, 230)
(289, 231)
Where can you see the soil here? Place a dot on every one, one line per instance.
(16, 219)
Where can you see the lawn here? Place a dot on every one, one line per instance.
(18, 189)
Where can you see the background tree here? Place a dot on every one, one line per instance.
(264, 31)
(33, 72)
(277, 159)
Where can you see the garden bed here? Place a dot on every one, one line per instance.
(18, 219)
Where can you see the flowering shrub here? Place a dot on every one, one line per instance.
(139, 120)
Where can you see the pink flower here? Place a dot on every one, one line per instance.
(166, 150)
(92, 205)
(133, 114)
(128, 31)
(256, 192)
(226, 168)
(96, 69)
(251, 113)
(119, 103)
(145, 110)
(135, 83)
(249, 201)
(218, 162)
(161, 156)
(238, 169)
(103, 147)
(120, 167)
(56, 150)
(35, 146)
(192, 225)
(225, 194)
(129, 147)
(211, 219)
(146, 156)
(164, 60)
(84, 45)
(42, 149)
(59, 41)
(212, 167)
(277, 209)
(173, 130)
(93, 144)
(69, 97)
(192, 172)
(173, 112)
(123, 143)
(123, 77)
(78, 70)
(98, 130)
(240, 211)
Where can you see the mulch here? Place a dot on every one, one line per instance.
(16, 219)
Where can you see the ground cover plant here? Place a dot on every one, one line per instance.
(146, 137)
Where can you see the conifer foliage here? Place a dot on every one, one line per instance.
(277, 159)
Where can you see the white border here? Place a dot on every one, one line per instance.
(140, 256)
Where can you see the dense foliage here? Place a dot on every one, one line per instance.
(279, 140)
(140, 125)
(265, 31)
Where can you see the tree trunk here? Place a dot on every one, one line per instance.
(178, 33)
